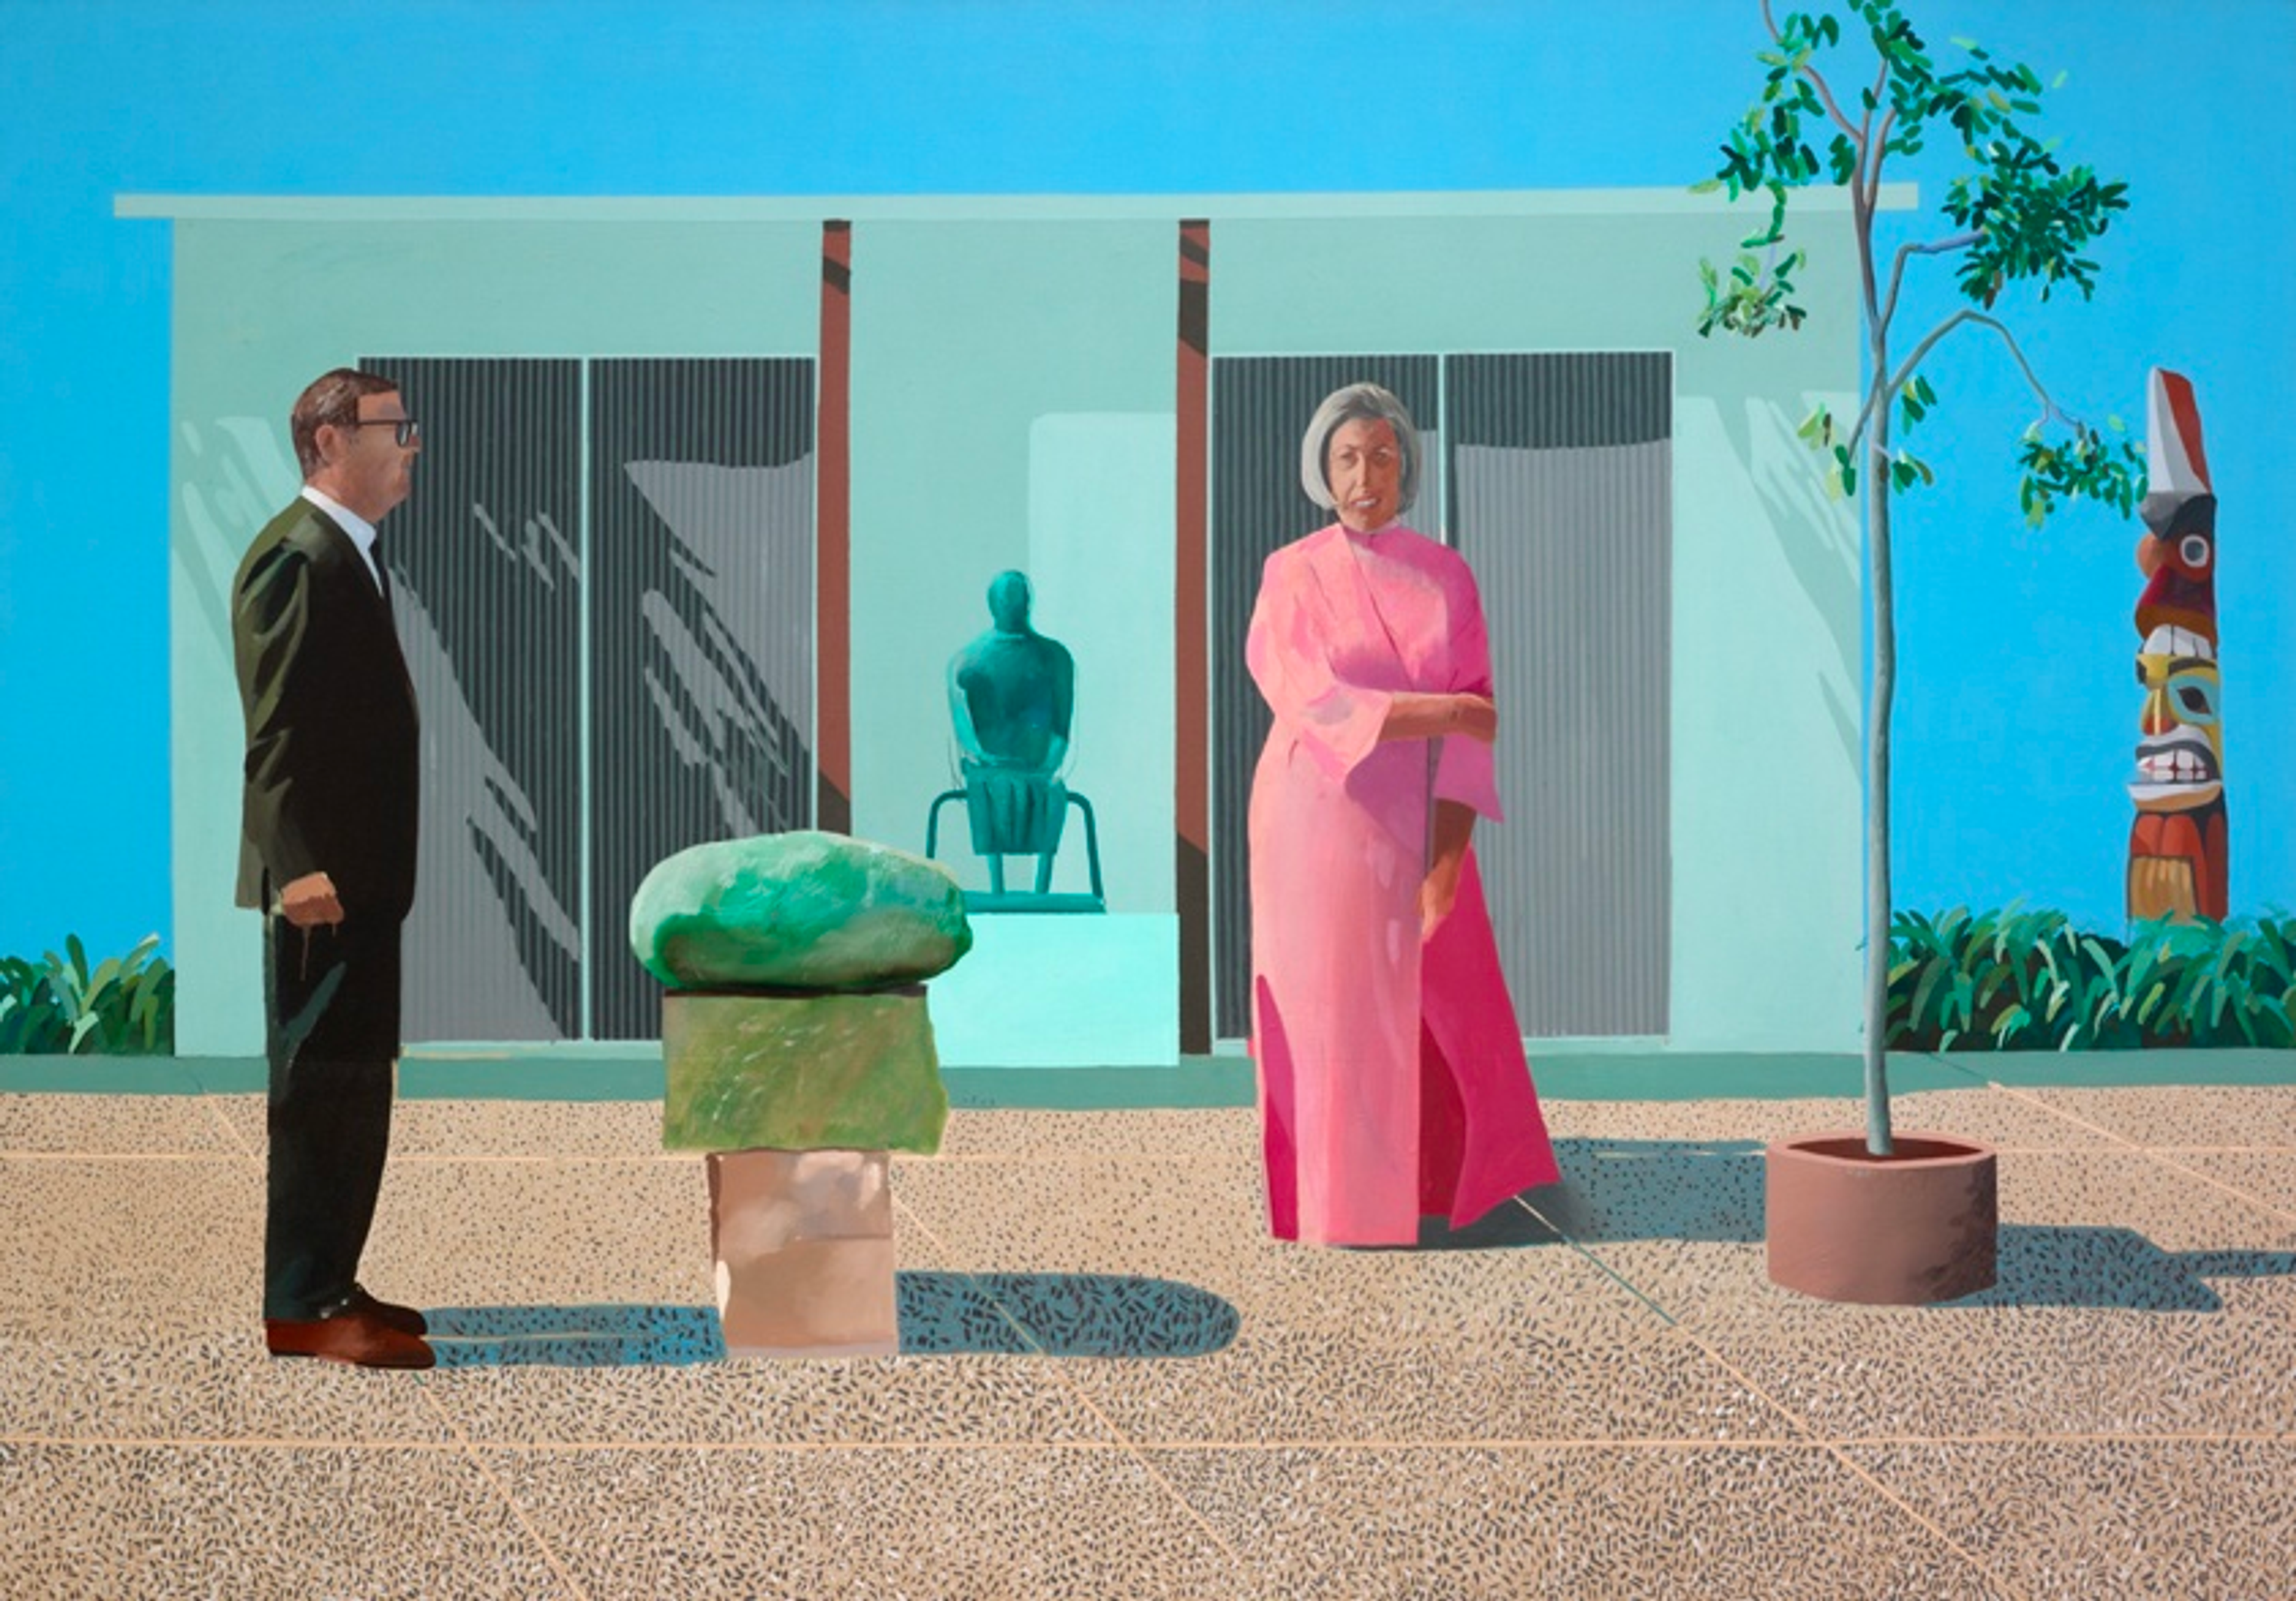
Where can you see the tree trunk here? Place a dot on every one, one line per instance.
(1877, 771)
(1885, 666)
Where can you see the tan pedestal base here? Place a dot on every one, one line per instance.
(803, 1244)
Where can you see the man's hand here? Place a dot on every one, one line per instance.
(310, 901)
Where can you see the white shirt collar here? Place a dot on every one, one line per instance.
(359, 529)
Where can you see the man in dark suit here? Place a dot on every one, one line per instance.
(327, 854)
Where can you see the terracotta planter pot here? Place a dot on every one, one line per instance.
(1917, 1227)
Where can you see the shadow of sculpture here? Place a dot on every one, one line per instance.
(941, 1314)
(1062, 1315)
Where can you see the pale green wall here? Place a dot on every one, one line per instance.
(1765, 792)
(1101, 516)
(1013, 380)
(262, 309)
(1013, 394)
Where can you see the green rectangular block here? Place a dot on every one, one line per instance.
(801, 1072)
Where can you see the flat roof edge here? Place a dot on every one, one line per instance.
(963, 207)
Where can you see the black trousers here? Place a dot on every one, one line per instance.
(332, 1012)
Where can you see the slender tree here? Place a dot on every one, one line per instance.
(2019, 217)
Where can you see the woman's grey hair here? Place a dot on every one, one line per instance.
(1358, 402)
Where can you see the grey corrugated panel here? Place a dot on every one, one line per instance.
(701, 500)
(1563, 500)
(1562, 400)
(1260, 407)
(488, 597)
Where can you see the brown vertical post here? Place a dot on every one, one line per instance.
(833, 537)
(1192, 696)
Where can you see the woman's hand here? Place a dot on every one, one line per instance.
(1439, 891)
(1433, 716)
(1476, 717)
(1455, 826)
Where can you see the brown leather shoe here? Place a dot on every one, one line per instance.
(359, 1338)
(405, 1320)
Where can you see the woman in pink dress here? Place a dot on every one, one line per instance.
(1392, 1082)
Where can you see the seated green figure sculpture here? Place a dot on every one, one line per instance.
(1010, 694)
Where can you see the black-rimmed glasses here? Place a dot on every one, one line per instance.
(409, 428)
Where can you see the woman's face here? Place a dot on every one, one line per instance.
(1364, 465)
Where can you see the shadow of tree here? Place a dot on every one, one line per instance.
(1617, 1190)
(940, 1314)
(2107, 1267)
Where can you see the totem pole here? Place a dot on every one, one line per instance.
(2178, 862)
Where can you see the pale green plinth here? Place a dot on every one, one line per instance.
(803, 910)
(801, 1072)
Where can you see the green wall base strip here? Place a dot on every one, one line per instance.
(531, 1078)
(1754, 1075)
(1205, 1080)
(1197, 1082)
(2119, 1069)
(99, 1075)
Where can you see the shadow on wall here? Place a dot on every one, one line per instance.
(1818, 540)
(941, 1314)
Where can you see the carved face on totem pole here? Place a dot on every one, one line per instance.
(2180, 759)
(2177, 862)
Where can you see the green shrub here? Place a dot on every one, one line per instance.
(2017, 981)
(126, 1006)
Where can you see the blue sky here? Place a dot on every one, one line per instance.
(2018, 710)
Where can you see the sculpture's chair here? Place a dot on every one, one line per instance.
(1019, 814)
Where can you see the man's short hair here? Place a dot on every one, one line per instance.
(331, 398)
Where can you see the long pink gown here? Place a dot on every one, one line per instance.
(1392, 1082)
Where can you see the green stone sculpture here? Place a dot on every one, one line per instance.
(801, 1072)
(804, 910)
